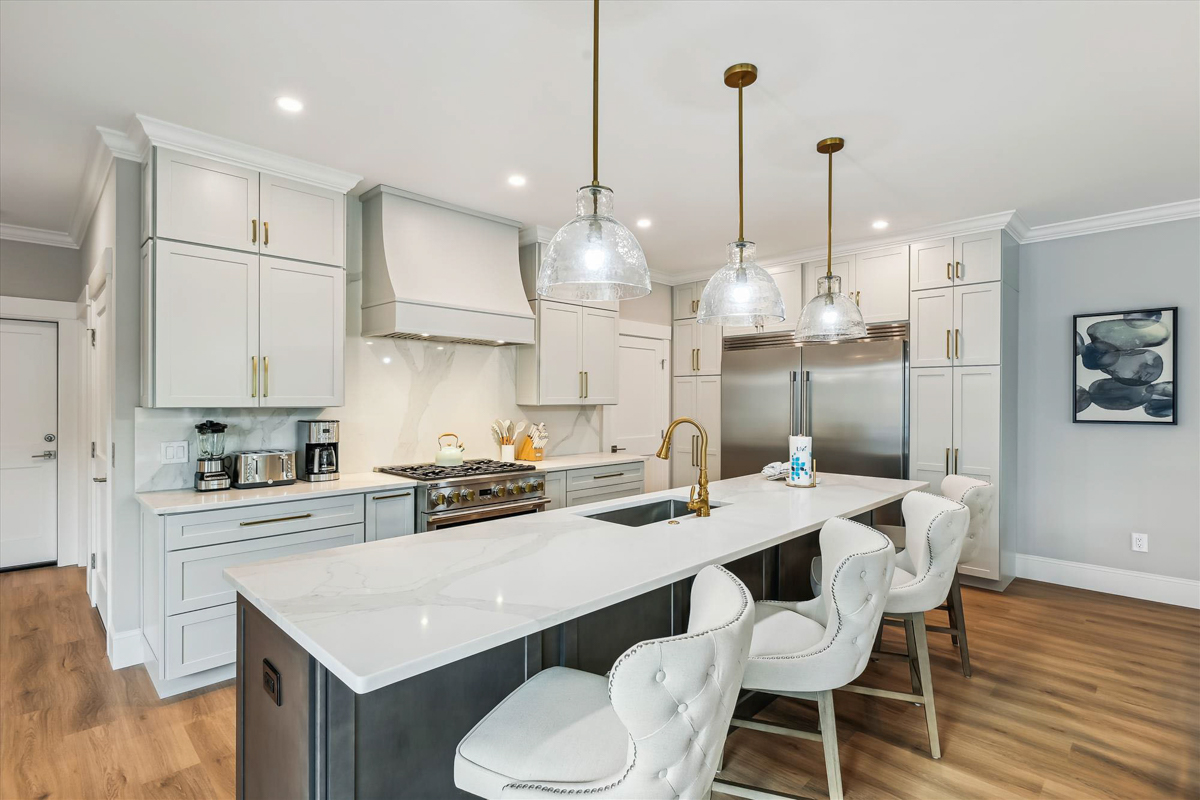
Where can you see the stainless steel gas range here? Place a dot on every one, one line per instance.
(479, 489)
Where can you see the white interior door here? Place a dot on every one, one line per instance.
(100, 434)
(28, 442)
(302, 313)
(640, 416)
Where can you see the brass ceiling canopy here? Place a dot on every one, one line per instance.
(741, 75)
(833, 144)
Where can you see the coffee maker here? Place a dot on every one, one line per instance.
(318, 450)
(211, 468)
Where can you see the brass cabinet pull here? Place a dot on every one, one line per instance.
(947, 344)
(956, 461)
(248, 523)
(401, 494)
(607, 475)
(266, 234)
(266, 375)
(949, 274)
(581, 384)
(947, 460)
(254, 376)
(100, 480)
(958, 269)
(586, 387)
(857, 297)
(253, 231)
(956, 342)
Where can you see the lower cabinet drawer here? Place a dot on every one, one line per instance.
(194, 577)
(201, 640)
(599, 494)
(605, 475)
(203, 528)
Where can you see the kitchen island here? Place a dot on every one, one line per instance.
(361, 667)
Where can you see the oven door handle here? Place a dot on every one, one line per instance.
(487, 512)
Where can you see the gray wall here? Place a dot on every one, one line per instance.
(654, 307)
(1084, 488)
(39, 271)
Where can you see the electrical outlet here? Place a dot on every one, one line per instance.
(173, 453)
(1139, 542)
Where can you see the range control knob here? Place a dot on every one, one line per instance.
(539, 485)
(523, 488)
(467, 495)
(454, 497)
(499, 490)
(512, 488)
(439, 498)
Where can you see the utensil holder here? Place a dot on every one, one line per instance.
(507, 452)
(527, 452)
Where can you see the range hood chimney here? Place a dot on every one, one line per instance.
(434, 271)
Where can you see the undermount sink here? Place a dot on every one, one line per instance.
(646, 513)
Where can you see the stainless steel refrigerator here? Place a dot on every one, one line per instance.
(851, 397)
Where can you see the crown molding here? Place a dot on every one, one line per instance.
(535, 233)
(1151, 215)
(176, 137)
(17, 233)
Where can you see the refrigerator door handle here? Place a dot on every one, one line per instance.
(796, 423)
(808, 426)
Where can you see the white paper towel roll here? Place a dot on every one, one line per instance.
(800, 460)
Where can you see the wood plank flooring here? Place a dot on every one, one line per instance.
(1074, 695)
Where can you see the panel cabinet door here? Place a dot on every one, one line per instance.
(931, 264)
(977, 324)
(556, 489)
(560, 372)
(599, 356)
(683, 347)
(708, 414)
(931, 325)
(977, 451)
(303, 222)
(881, 284)
(390, 513)
(708, 346)
(206, 327)
(977, 258)
(931, 415)
(843, 267)
(683, 460)
(205, 201)
(303, 334)
(790, 280)
(685, 300)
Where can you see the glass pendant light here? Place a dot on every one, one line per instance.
(594, 257)
(742, 292)
(830, 316)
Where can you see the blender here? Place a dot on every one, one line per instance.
(212, 473)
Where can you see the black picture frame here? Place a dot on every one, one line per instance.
(1136, 411)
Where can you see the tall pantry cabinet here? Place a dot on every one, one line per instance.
(243, 284)
(695, 387)
(963, 379)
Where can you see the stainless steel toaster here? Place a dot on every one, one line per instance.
(254, 468)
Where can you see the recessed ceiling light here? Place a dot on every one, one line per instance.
(426, 335)
(516, 180)
(879, 224)
(387, 359)
(499, 341)
(643, 223)
(289, 104)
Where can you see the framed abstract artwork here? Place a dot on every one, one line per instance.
(1124, 366)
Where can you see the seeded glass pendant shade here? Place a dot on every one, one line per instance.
(830, 316)
(741, 293)
(594, 257)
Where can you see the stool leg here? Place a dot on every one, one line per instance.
(910, 640)
(833, 766)
(960, 623)
(918, 621)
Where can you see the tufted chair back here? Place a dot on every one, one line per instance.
(979, 497)
(859, 562)
(676, 696)
(935, 528)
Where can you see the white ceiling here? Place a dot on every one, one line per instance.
(1061, 110)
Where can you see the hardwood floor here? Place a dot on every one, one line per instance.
(1074, 695)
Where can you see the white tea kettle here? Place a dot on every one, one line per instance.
(449, 455)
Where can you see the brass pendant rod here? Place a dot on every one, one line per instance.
(829, 238)
(596, 94)
(741, 214)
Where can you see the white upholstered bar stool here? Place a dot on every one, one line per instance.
(935, 528)
(653, 729)
(807, 649)
(979, 497)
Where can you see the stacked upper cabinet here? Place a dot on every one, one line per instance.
(696, 388)
(877, 280)
(963, 382)
(243, 286)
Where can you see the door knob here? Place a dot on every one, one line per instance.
(47, 454)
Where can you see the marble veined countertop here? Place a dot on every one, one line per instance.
(185, 501)
(556, 463)
(380, 612)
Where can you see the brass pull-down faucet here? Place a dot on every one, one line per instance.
(698, 494)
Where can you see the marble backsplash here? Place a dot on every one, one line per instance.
(400, 396)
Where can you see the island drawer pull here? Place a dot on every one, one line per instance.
(248, 523)
(390, 496)
(607, 475)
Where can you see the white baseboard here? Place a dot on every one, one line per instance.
(1124, 582)
(125, 649)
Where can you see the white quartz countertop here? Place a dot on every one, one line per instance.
(556, 463)
(380, 612)
(184, 501)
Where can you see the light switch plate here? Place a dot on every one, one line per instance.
(173, 453)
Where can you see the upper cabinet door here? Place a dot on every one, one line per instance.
(881, 284)
(686, 300)
(843, 267)
(790, 280)
(302, 329)
(599, 355)
(977, 325)
(977, 258)
(931, 264)
(204, 201)
(683, 347)
(708, 346)
(303, 222)
(931, 416)
(559, 334)
(931, 327)
(205, 327)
